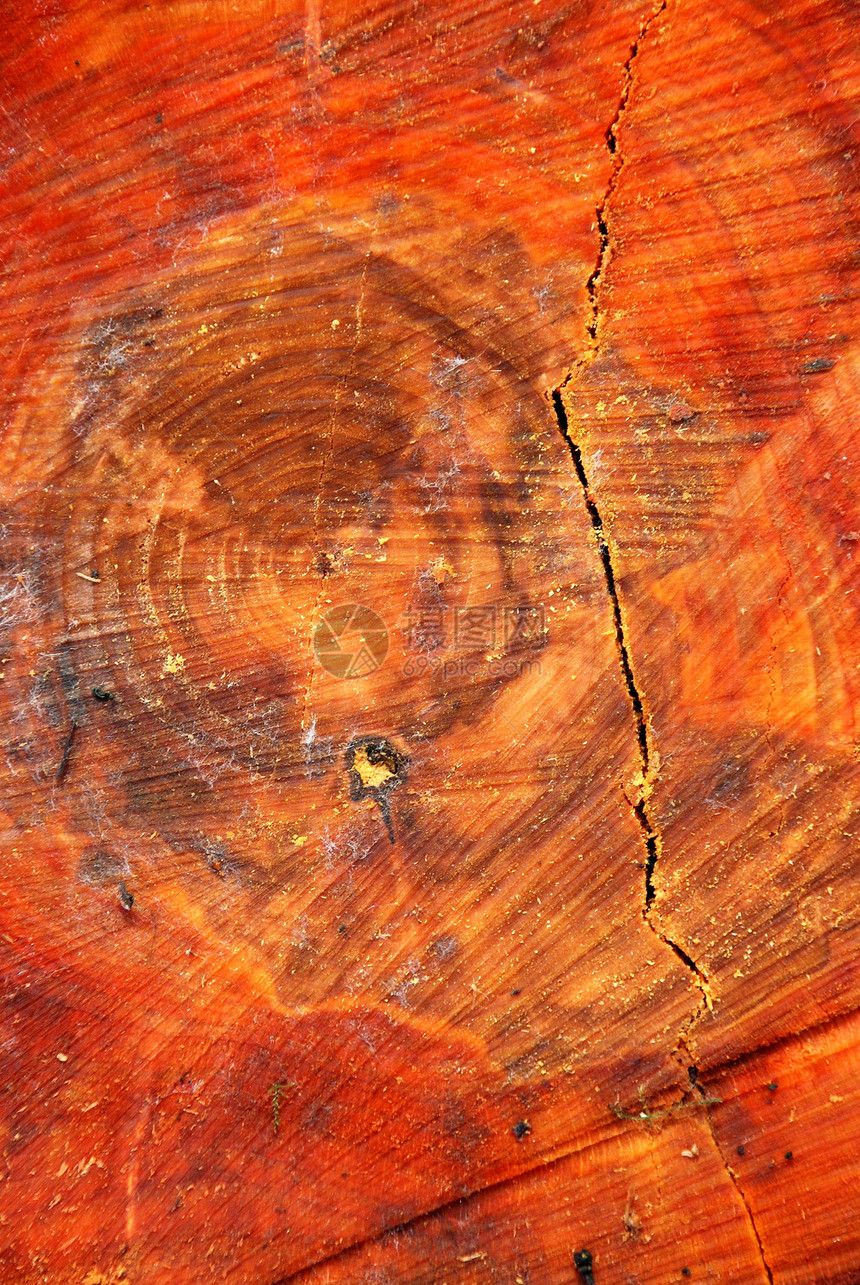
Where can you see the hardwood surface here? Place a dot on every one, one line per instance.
(527, 935)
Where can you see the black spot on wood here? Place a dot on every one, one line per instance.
(584, 1264)
(817, 366)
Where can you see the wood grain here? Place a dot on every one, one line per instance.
(532, 333)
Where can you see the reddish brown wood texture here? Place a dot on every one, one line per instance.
(428, 308)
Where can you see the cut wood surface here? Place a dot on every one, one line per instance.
(429, 632)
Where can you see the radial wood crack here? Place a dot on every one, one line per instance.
(734, 1181)
(650, 833)
(601, 213)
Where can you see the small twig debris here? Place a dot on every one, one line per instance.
(67, 750)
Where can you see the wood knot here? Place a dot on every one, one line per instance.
(375, 767)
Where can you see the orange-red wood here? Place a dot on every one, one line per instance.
(730, 440)
(402, 976)
(773, 1170)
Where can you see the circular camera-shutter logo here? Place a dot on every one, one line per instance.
(351, 641)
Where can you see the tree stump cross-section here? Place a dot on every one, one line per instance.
(428, 635)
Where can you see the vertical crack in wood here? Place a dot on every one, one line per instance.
(733, 1178)
(612, 144)
(649, 760)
